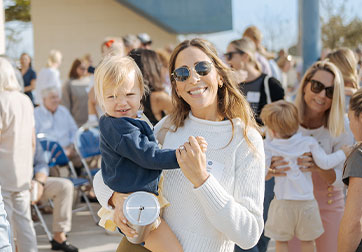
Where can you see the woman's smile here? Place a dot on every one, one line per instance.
(319, 101)
(198, 91)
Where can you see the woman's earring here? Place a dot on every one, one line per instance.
(220, 82)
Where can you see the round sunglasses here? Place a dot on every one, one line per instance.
(202, 68)
(317, 87)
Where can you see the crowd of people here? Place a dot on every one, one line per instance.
(247, 155)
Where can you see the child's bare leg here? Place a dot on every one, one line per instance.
(307, 246)
(162, 239)
(281, 246)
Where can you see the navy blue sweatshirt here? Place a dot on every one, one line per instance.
(131, 158)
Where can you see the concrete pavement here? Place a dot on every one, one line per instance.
(86, 235)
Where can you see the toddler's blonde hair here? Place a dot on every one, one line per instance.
(281, 117)
(111, 73)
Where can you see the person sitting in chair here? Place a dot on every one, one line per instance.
(56, 122)
(60, 191)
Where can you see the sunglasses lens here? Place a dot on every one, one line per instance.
(203, 68)
(181, 74)
(329, 92)
(316, 86)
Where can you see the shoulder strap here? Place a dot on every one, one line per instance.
(266, 89)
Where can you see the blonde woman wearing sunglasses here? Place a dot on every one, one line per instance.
(216, 201)
(320, 103)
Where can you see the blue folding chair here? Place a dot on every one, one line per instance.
(86, 143)
(56, 156)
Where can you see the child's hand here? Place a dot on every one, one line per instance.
(202, 142)
(347, 149)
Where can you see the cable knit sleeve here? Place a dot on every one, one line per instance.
(239, 216)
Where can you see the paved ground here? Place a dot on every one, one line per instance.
(86, 235)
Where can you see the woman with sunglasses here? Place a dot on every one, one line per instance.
(75, 92)
(214, 202)
(320, 103)
(240, 55)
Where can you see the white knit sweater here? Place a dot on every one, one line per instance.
(228, 207)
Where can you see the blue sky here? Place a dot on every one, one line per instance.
(277, 19)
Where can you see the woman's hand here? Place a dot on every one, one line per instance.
(277, 168)
(192, 161)
(117, 201)
(306, 164)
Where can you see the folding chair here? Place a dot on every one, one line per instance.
(55, 156)
(86, 143)
(41, 221)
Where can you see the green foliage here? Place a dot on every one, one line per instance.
(18, 10)
(353, 33)
(336, 31)
(336, 34)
